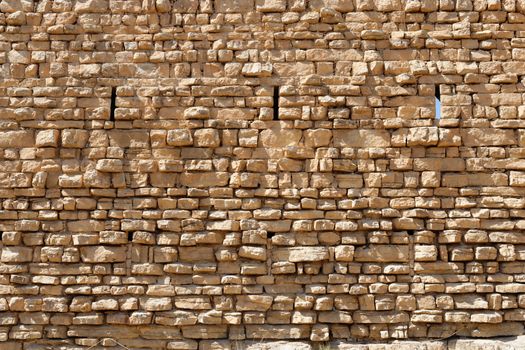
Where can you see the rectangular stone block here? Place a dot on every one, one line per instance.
(301, 254)
(382, 253)
(16, 139)
(103, 254)
(478, 137)
(363, 138)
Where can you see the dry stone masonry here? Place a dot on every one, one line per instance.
(188, 174)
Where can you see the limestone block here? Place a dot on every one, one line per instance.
(16, 139)
(10, 6)
(19, 57)
(205, 332)
(105, 304)
(179, 137)
(109, 165)
(231, 91)
(210, 179)
(361, 138)
(207, 138)
(478, 137)
(162, 5)
(183, 345)
(255, 253)
(17, 18)
(16, 254)
(193, 303)
(253, 302)
(129, 138)
(470, 301)
(277, 331)
(486, 317)
(380, 317)
(449, 137)
(317, 137)
(344, 253)
(156, 304)
(70, 181)
(382, 253)
(230, 6)
(47, 138)
(279, 138)
(335, 317)
(517, 178)
(91, 6)
(74, 138)
(96, 179)
(496, 330)
(195, 254)
(101, 254)
(197, 112)
(258, 69)
(425, 252)
(302, 254)
(486, 253)
(422, 136)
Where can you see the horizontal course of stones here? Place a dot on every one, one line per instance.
(178, 171)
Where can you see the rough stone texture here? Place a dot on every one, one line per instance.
(188, 174)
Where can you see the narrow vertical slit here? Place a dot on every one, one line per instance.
(130, 236)
(275, 103)
(112, 104)
(437, 103)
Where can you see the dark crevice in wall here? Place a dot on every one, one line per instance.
(275, 103)
(437, 102)
(112, 105)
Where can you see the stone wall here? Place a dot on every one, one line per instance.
(178, 171)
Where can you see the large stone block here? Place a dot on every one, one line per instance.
(16, 254)
(479, 137)
(102, 254)
(91, 6)
(361, 138)
(212, 179)
(382, 253)
(280, 138)
(301, 254)
(16, 139)
(254, 302)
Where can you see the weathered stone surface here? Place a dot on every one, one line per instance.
(380, 317)
(74, 138)
(204, 179)
(16, 254)
(90, 6)
(382, 253)
(16, 139)
(477, 137)
(361, 138)
(204, 175)
(253, 302)
(102, 254)
(300, 254)
(234, 6)
(279, 137)
(262, 69)
(180, 137)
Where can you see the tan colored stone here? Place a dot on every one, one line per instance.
(477, 137)
(93, 254)
(279, 138)
(382, 253)
(361, 138)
